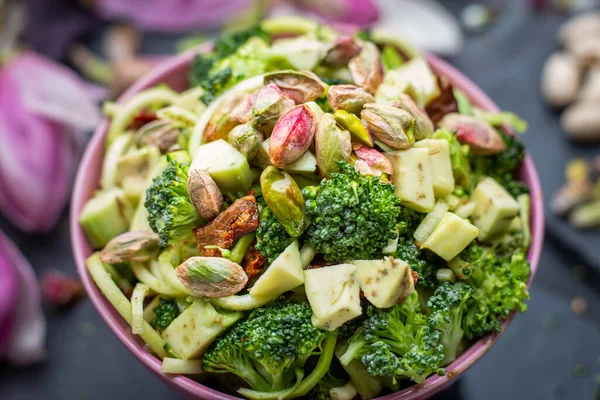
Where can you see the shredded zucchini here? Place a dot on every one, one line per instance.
(167, 272)
(178, 366)
(113, 294)
(143, 275)
(240, 303)
(137, 308)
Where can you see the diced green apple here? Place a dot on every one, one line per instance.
(412, 178)
(451, 236)
(306, 164)
(190, 334)
(333, 294)
(494, 209)
(441, 167)
(105, 216)
(414, 78)
(285, 273)
(386, 282)
(430, 221)
(227, 166)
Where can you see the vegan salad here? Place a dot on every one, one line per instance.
(319, 215)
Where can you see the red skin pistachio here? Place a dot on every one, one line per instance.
(60, 290)
(269, 103)
(342, 50)
(233, 111)
(300, 86)
(476, 133)
(374, 159)
(366, 68)
(292, 136)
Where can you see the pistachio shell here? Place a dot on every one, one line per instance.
(375, 160)
(130, 246)
(348, 98)
(300, 86)
(423, 125)
(211, 276)
(158, 133)
(341, 51)
(246, 139)
(284, 197)
(571, 195)
(353, 124)
(366, 68)
(331, 146)
(204, 193)
(269, 103)
(391, 125)
(479, 135)
(292, 135)
(234, 110)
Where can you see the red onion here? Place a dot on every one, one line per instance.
(173, 15)
(42, 105)
(23, 336)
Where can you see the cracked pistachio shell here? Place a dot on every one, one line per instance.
(234, 110)
(204, 193)
(246, 139)
(300, 86)
(341, 51)
(391, 125)
(423, 124)
(348, 98)
(479, 135)
(331, 146)
(269, 103)
(292, 135)
(211, 276)
(366, 68)
(353, 124)
(158, 133)
(130, 246)
(284, 197)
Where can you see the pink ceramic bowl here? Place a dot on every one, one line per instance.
(174, 73)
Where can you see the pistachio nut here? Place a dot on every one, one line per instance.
(158, 133)
(211, 276)
(341, 51)
(246, 139)
(423, 125)
(366, 68)
(300, 86)
(479, 135)
(292, 135)
(571, 195)
(269, 103)
(375, 160)
(231, 112)
(331, 146)
(353, 124)
(131, 246)
(348, 98)
(284, 197)
(392, 125)
(204, 193)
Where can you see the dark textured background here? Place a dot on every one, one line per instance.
(548, 353)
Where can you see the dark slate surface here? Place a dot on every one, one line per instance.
(548, 353)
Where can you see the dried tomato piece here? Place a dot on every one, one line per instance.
(444, 104)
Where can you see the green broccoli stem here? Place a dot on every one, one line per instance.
(307, 384)
(240, 248)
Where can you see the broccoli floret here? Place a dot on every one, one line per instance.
(502, 167)
(269, 348)
(397, 343)
(271, 237)
(164, 313)
(353, 216)
(446, 308)
(499, 285)
(234, 57)
(171, 213)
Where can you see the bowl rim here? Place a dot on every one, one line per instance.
(189, 387)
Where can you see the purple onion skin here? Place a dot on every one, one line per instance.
(42, 105)
(24, 342)
(9, 294)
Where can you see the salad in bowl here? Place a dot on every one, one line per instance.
(317, 215)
